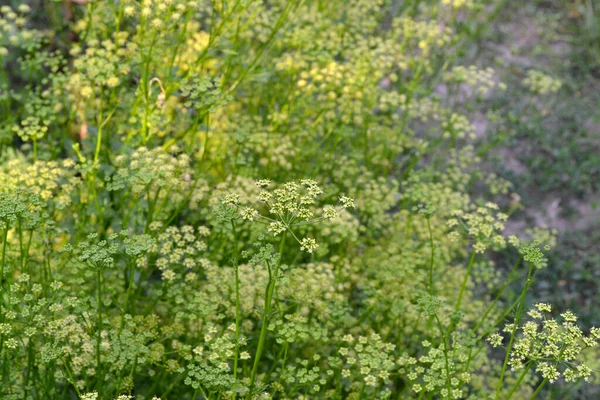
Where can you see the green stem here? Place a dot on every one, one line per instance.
(445, 343)
(34, 149)
(539, 389)
(99, 138)
(518, 383)
(128, 295)
(25, 260)
(500, 292)
(514, 329)
(265, 321)
(71, 378)
(263, 329)
(278, 24)
(4, 240)
(432, 255)
(487, 312)
(99, 319)
(151, 205)
(362, 391)
(237, 307)
(146, 93)
(21, 247)
(151, 307)
(118, 24)
(464, 283)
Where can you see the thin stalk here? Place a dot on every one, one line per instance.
(118, 24)
(432, 255)
(237, 307)
(263, 330)
(278, 24)
(539, 389)
(519, 380)
(34, 149)
(99, 318)
(490, 330)
(151, 205)
(172, 385)
(338, 386)
(151, 307)
(206, 137)
(71, 378)
(128, 295)
(25, 259)
(4, 240)
(362, 391)
(464, 283)
(146, 80)
(21, 248)
(501, 291)
(512, 335)
(29, 364)
(285, 355)
(445, 343)
(489, 309)
(99, 138)
(265, 321)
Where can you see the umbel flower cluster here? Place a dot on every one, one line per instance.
(554, 346)
(247, 199)
(288, 207)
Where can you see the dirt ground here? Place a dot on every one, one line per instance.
(553, 154)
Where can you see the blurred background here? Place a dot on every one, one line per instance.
(551, 152)
(550, 145)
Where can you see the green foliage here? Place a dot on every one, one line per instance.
(263, 199)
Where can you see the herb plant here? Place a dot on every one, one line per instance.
(246, 199)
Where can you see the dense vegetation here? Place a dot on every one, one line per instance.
(286, 199)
